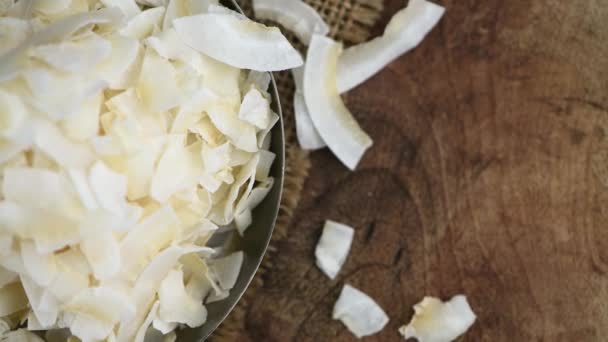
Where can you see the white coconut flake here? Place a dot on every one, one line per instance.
(121, 67)
(41, 268)
(144, 23)
(96, 310)
(307, 134)
(361, 314)
(332, 119)
(178, 168)
(157, 86)
(227, 269)
(255, 109)
(295, 15)
(243, 220)
(333, 247)
(110, 189)
(241, 134)
(14, 115)
(404, 32)
(50, 6)
(128, 7)
(85, 125)
(169, 44)
(238, 41)
(176, 305)
(84, 54)
(103, 254)
(436, 321)
(67, 153)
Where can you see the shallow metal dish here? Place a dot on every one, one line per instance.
(257, 236)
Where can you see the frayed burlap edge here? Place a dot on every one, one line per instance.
(350, 22)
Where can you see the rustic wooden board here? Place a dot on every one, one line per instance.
(488, 177)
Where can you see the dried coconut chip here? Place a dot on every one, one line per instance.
(128, 7)
(227, 269)
(333, 247)
(295, 15)
(436, 321)
(361, 314)
(404, 32)
(255, 109)
(330, 116)
(144, 23)
(237, 41)
(308, 136)
(176, 305)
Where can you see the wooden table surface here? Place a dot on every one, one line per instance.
(488, 177)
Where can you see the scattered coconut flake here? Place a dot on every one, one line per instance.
(237, 41)
(361, 314)
(308, 136)
(404, 32)
(295, 15)
(333, 247)
(436, 321)
(332, 119)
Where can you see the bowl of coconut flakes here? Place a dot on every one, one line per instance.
(141, 160)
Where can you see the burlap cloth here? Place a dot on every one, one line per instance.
(350, 22)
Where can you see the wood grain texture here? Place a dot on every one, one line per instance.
(488, 177)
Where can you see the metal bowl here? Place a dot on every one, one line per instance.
(256, 238)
